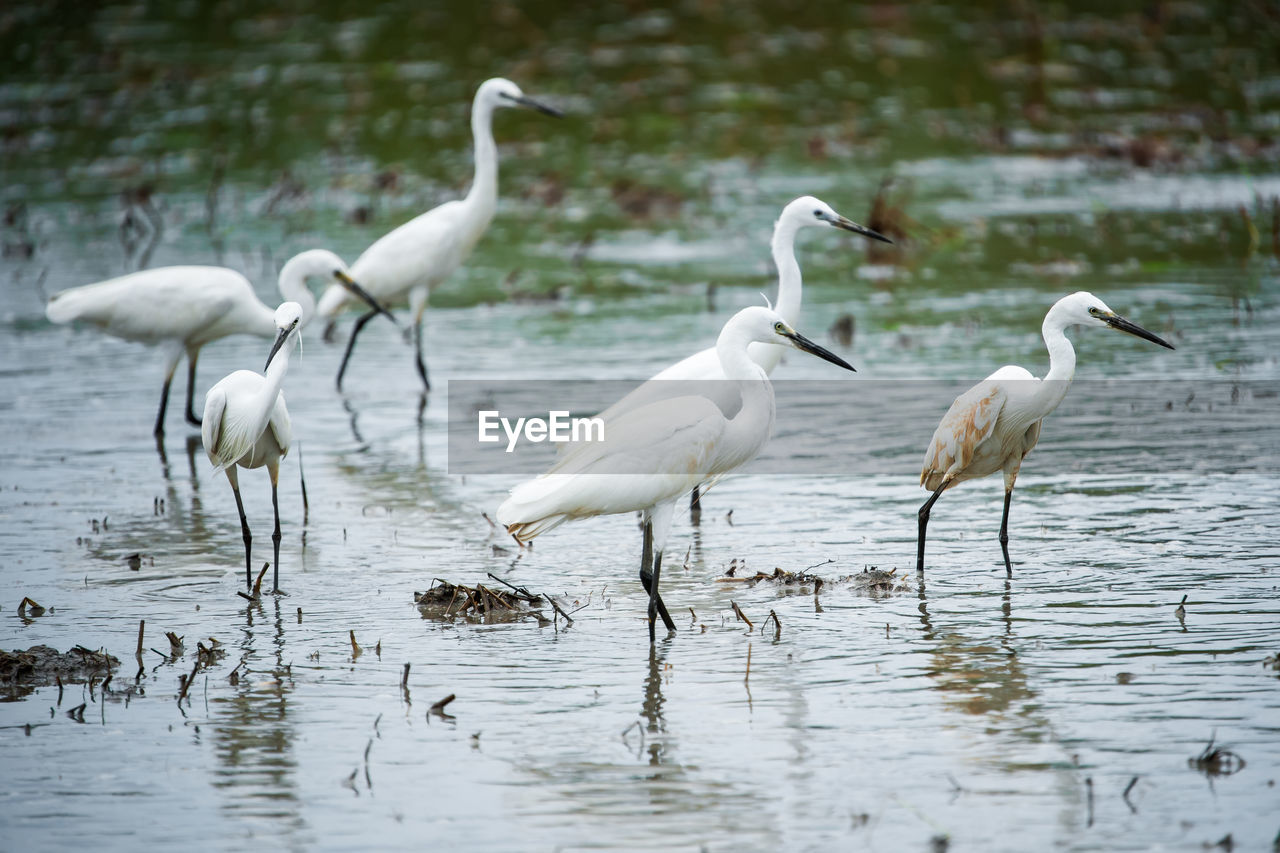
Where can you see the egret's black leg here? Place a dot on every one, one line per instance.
(275, 539)
(657, 599)
(695, 506)
(650, 567)
(924, 522)
(1004, 532)
(417, 353)
(248, 540)
(164, 405)
(191, 388)
(653, 598)
(351, 344)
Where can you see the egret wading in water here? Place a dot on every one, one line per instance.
(993, 426)
(185, 307)
(246, 425)
(803, 212)
(410, 261)
(658, 451)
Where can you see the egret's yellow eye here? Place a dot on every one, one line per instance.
(1095, 312)
(780, 328)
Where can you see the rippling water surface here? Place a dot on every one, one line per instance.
(1059, 708)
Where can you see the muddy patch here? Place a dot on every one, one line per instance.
(40, 666)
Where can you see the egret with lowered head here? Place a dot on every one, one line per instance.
(410, 261)
(656, 452)
(185, 307)
(246, 425)
(993, 426)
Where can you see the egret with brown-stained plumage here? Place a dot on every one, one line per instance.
(993, 426)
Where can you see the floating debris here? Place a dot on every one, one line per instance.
(1217, 761)
(29, 607)
(869, 579)
(40, 666)
(779, 576)
(445, 600)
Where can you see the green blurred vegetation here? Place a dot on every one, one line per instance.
(276, 121)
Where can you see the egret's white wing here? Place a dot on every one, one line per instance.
(701, 366)
(649, 455)
(240, 427)
(423, 251)
(215, 405)
(280, 425)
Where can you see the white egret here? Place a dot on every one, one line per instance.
(658, 451)
(803, 212)
(246, 424)
(407, 263)
(993, 426)
(185, 307)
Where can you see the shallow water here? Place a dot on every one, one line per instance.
(1003, 713)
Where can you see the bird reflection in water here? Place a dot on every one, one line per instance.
(977, 677)
(651, 714)
(253, 732)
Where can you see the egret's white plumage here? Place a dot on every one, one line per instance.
(407, 263)
(995, 424)
(185, 307)
(803, 212)
(246, 425)
(658, 451)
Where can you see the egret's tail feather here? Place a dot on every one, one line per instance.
(66, 306)
(524, 531)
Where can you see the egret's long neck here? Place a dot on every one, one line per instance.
(789, 283)
(731, 349)
(1062, 363)
(293, 287)
(749, 429)
(789, 287)
(484, 189)
(276, 370)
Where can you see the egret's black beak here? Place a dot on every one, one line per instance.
(1115, 321)
(349, 283)
(850, 225)
(526, 101)
(805, 345)
(275, 348)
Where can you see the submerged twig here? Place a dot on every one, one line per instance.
(1125, 795)
(777, 625)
